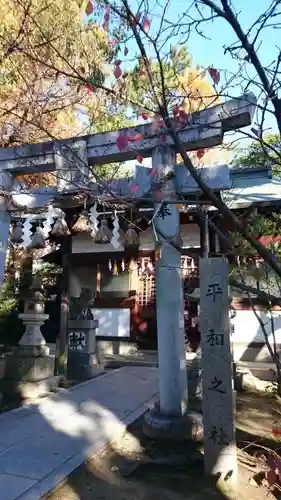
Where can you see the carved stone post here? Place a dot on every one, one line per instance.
(83, 358)
(218, 393)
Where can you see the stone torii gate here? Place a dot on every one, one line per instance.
(71, 161)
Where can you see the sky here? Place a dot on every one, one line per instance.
(210, 51)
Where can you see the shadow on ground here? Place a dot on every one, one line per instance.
(49, 436)
(115, 473)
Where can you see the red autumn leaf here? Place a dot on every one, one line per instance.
(146, 24)
(137, 137)
(183, 114)
(159, 195)
(200, 153)
(271, 477)
(175, 110)
(214, 74)
(90, 87)
(133, 188)
(118, 62)
(126, 50)
(117, 72)
(139, 158)
(89, 8)
(106, 18)
(276, 431)
(145, 116)
(122, 142)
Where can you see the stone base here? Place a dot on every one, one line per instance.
(26, 375)
(15, 390)
(31, 351)
(83, 366)
(188, 427)
(23, 367)
(116, 347)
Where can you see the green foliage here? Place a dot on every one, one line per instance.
(11, 327)
(184, 84)
(264, 152)
(258, 226)
(139, 85)
(47, 56)
(48, 273)
(246, 267)
(47, 53)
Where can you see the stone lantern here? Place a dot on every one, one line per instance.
(30, 368)
(33, 318)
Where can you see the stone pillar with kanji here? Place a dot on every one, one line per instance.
(170, 420)
(83, 358)
(217, 378)
(83, 361)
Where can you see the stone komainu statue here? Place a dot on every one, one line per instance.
(80, 308)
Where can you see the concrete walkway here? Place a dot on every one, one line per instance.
(42, 443)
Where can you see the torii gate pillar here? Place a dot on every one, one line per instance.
(169, 296)
(6, 180)
(170, 419)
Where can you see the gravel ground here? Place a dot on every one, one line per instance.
(130, 469)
